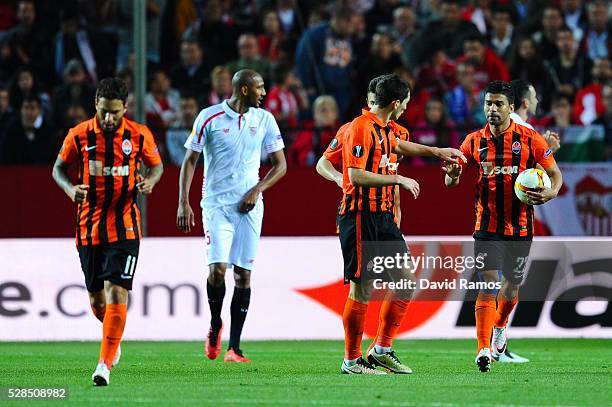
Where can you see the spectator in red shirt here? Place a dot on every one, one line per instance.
(437, 76)
(272, 37)
(489, 67)
(434, 130)
(588, 103)
(281, 101)
(310, 143)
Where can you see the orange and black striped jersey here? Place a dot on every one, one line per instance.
(368, 145)
(500, 160)
(109, 165)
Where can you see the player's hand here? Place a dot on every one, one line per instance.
(185, 219)
(451, 155)
(453, 170)
(541, 196)
(249, 200)
(144, 185)
(79, 193)
(410, 185)
(553, 140)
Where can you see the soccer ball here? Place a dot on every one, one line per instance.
(531, 179)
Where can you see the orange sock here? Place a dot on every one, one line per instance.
(99, 312)
(353, 319)
(504, 308)
(112, 329)
(485, 316)
(391, 316)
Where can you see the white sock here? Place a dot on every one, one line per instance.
(382, 349)
(350, 362)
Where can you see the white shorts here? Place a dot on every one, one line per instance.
(232, 237)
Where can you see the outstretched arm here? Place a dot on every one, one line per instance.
(410, 149)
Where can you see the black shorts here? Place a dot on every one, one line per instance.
(508, 256)
(359, 227)
(114, 262)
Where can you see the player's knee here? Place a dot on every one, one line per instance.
(116, 294)
(216, 276)
(97, 300)
(242, 277)
(492, 279)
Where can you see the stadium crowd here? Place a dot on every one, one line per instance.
(316, 58)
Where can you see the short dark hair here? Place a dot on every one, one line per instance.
(475, 37)
(112, 88)
(521, 91)
(280, 72)
(343, 13)
(501, 88)
(31, 97)
(390, 88)
(374, 82)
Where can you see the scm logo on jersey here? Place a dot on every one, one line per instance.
(96, 169)
(490, 169)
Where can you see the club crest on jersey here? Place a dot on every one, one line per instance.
(358, 151)
(225, 130)
(516, 147)
(253, 130)
(126, 147)
(334, 144)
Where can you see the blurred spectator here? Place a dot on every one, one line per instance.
(597, 41)
(525, 62)
(217, 35)
(281, 100)
(605, 119)
(75, 90)
(27, 44)
(588, 103)
(561, 114)
(317, 16)
(221, 86)
(502, 34)
(450, 31)
(123, 10)
(404, 33)
(74, 41)
(6, 112)
(434, 130)
(271, 37)
(324, 59)
(191, 73)
(437, 76)
(161, 104)
(489, 67)
(383, 59)
(574, 17)
(287, 13)
(464, 103)
(546, 37)
(29, 139)
(415, 110)
(380, 15)
(571, 69)
(249, 58)
(23, 83)
(479, 13)
(7, 18)
(312, 140)
(180, 129)
(428, 11)
(360, 40)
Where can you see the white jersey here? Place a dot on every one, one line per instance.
(232, 145)
(519, 120)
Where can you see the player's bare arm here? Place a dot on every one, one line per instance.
(145, 185)
(410, 149)
(546, 194)
(365, 178)
(453, 174)
(278, 170)
(77, 193)
(398, 208)
(327, 171)
(185, 218)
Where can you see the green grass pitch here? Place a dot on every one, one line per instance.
(574, 372)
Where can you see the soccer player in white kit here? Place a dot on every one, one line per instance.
(231, 135)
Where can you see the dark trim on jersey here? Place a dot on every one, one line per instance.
(81, 170)
(120, 207)
(109, 186)
(484, 235)
(500, 142)
(379, 190)
(484, 186)
(515, 204)
(530, 164)
(135, 225)
(365, 191)
(91, 156)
